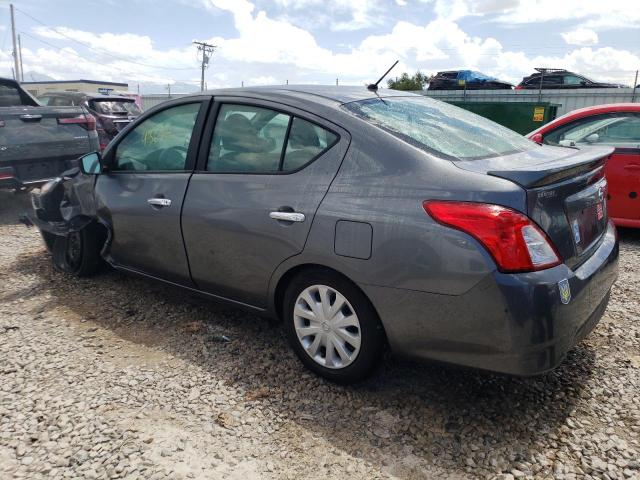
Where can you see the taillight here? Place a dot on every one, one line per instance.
(87, 121)
(513, 240)
(519, 87)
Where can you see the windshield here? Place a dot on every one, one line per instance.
(584, 131)
(115, 107)
(440, 128)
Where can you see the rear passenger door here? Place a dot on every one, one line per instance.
(262, 173)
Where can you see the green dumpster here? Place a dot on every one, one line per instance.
(519, 116)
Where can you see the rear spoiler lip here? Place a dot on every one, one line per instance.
(584, 160)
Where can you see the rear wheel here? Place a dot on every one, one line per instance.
(79, 252)
(332, 326)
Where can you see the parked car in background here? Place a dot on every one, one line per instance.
(615, 125)
(466, 79)
(38, 143)
(112, 113)
(550, 78)
(360, 218)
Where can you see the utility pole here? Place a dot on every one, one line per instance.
(206, 49)
(15, 47)
(20, 54)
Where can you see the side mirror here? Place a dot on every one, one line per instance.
(537, 138)
(91, 164)
(593, 138)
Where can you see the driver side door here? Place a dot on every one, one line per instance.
(141, 192)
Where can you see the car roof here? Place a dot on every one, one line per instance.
(322, 94)
(587, 112)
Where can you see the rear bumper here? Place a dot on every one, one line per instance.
(20, 174)
(509, 323)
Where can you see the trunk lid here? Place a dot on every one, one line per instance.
(566, 193)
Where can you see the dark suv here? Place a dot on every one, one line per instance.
(112, 113)
(466, 79)
(550, 78)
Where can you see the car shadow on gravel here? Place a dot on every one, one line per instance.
(437, 413)
(12, 205)
(629, 235)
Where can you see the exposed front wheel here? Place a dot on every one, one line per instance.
(332, 326)
(79, 252)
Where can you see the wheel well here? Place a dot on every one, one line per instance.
(284, 281)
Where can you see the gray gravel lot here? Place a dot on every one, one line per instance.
(116, 377)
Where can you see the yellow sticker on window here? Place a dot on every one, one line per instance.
(538, 114)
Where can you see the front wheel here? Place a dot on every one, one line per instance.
(79, 252)
(332, 326)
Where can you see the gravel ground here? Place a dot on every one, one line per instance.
(116, 377)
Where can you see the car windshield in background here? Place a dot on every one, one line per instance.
(440, 128)
(115, 107)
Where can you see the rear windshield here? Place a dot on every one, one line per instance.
(116, 107)
(11, 96)
(440, 128)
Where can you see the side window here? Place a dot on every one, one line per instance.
(552, 80)
(159, 143)
(45, 100)
(572, 80)
(614, 130)
(247, 139)
(306, 141)
(623, 133)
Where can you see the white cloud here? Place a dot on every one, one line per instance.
(593, 13)
(581, 36)
(263, 80)
(270, 50)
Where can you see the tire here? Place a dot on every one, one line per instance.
(79, 252)
(336, 359)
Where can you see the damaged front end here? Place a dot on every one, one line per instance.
(62, 209)
(65, 204)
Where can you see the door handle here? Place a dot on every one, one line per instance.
(159, 202)
(287, 216)
(633, 166)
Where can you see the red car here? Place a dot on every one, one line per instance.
(616, 125)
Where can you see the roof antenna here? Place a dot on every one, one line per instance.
(374, 86)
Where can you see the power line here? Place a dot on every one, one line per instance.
(102, 52)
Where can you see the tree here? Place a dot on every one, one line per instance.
(406, 82)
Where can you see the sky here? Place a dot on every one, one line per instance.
(148, 43)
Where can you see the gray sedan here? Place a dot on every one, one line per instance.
(364, 220)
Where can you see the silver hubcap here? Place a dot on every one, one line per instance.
(327, 326)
